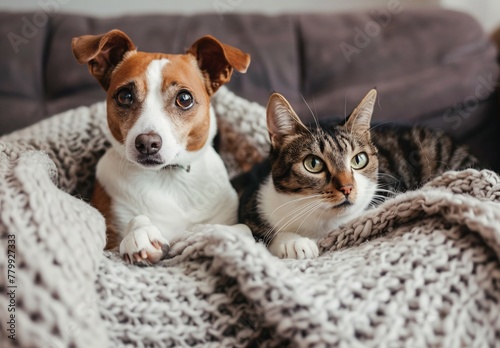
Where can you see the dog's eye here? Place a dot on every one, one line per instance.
(124, 97)
(184, 100)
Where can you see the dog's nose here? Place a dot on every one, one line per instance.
(148, 143)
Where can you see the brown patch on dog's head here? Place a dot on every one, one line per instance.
(102, 53)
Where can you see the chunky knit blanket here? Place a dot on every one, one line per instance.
(421, 270)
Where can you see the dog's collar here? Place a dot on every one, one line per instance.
(178, 166)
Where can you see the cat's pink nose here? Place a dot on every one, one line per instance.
(346, 190)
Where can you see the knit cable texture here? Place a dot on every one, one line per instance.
(420, 270)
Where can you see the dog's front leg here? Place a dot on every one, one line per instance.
(143, 243)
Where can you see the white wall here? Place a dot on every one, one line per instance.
(486, 11)
(114, 8)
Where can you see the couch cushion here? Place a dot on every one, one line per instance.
(22, 73)
(422, 62)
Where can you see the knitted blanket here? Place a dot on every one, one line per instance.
(420, 270)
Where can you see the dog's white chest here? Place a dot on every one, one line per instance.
(173, 199)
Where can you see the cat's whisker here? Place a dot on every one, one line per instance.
(379, 124)
(298, 211)
(308, 207)
(304, 220)
(375, 203)
(295, 210)
(296, 216)
(377, 199)
(312, 113)
(388, 184)
(305, 213)
(380, 197)
(319, 218)
(425, 156)
(294, 201)
(379, 174)
(345, 106)
(445, 164)
(314, 104)
(383, 190)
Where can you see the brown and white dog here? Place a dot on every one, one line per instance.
(161, 175)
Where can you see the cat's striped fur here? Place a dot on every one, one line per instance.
(289, 202)
(411, 156)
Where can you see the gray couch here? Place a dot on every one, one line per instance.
(434, 67)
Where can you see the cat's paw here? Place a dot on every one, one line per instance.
(294, 247)
(143, 243)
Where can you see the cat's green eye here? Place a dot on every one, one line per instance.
(313, 164)
(359, 161)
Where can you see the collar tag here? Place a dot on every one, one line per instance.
(178, 166)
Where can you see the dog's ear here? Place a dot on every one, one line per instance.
(102, 53)
(217, 61)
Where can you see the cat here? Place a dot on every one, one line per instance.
(319, 177)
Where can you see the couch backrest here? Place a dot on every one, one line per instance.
(431, 66)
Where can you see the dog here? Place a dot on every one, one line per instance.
(161, 174)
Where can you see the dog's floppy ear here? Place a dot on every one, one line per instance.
(217, 61)
(102, 53)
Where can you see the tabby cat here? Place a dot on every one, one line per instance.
(317, 178)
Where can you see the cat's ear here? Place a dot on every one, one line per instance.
(282, 121)
(360, 118)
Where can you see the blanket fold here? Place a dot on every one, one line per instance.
(422, 269)
(58, 242)
(467, 198)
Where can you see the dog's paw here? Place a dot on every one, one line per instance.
(294, 247)
(143, 243)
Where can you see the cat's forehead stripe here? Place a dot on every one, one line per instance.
(321, 143)
(340, 144)
(347, 143)
(337, 146)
